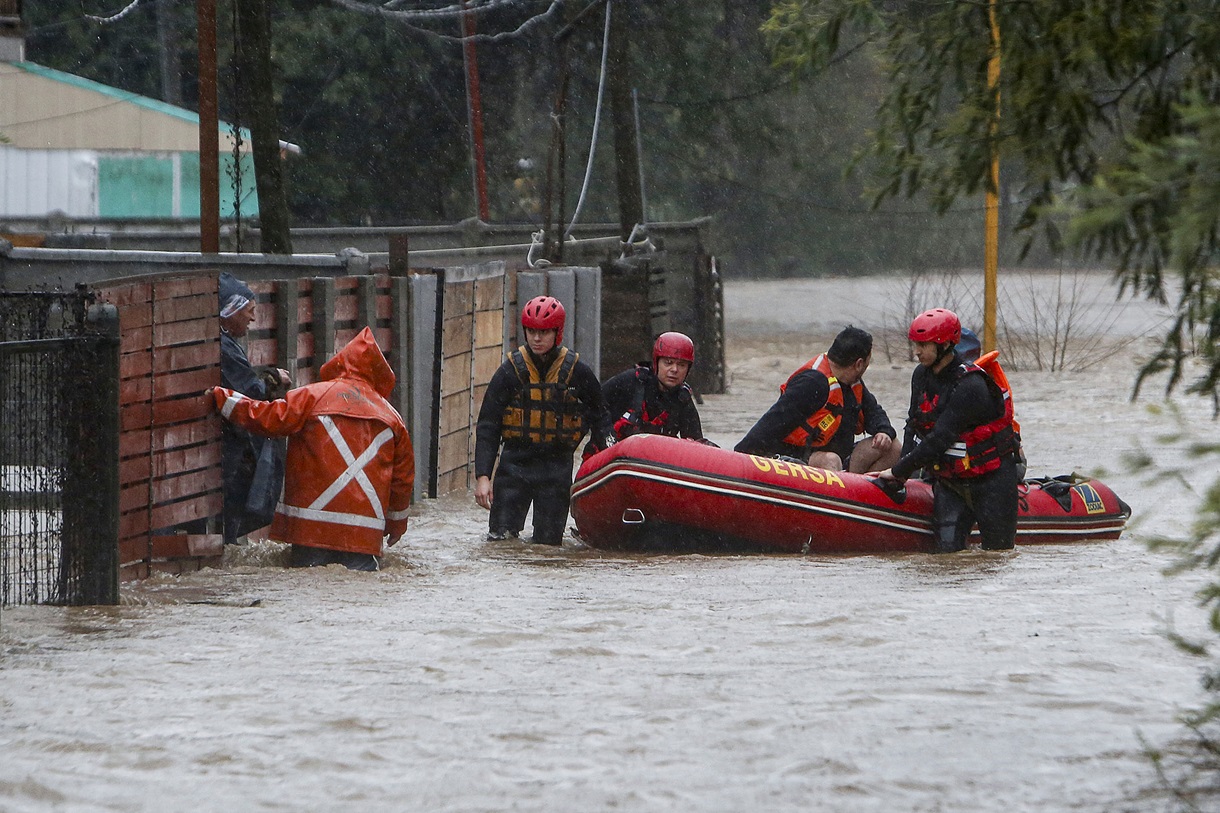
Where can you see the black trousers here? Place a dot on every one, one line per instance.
(307, 556)
(989, 500)
(528, 475)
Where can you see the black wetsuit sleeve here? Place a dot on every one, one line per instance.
(970, 405)
(500, 391)
(909, 439)
(618, 393)
(689, 425)
(805, 395)
(589, 391)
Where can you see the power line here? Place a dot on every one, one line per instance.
(391, 9)
(114, 18)
(402, 17)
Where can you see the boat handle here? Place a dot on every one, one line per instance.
(633, 516)
(896, 491)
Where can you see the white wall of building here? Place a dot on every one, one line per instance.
(38, 182)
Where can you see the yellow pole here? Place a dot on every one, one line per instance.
(991, 248)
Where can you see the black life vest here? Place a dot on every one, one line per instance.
(545, 410)
(978, 450)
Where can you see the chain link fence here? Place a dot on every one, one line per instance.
(58, 449)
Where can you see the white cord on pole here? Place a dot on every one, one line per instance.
(536, 240)
(597, 117)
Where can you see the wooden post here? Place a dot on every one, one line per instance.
(209, 131)
(400, 348)
(400, 263)
(323, 323)
(287, 324)
(100, 569)
(474, 111)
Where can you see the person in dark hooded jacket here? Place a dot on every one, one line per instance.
(242, 454)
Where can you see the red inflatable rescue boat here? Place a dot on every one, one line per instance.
(655, 493)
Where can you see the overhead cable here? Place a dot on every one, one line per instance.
(597, 117)
(114, 18)
(403, 18)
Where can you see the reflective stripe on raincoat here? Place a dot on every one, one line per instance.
(350, 468)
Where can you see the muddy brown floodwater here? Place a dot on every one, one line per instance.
(487, 676)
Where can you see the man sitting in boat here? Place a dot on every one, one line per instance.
(655, 398)
(821, 409)
(962, 420)
(539, 404)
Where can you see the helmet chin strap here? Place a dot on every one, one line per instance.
(943, 350)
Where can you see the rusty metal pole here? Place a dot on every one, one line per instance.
(209, 130)
(474, 111)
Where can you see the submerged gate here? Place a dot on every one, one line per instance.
(58, 429)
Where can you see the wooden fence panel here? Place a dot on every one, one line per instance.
(444, 333)
(169, 458)
(470, 347)
(456, 424)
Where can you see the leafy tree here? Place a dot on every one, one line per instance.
(1111, 117)
(253, 44)
(379, 112)
(1106, 109)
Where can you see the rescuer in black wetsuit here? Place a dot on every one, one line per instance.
(539, 404)
(960, 429)
(655, 399)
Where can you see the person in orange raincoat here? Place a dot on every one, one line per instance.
(350, 468)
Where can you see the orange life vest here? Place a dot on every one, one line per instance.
(990, 362)
(817, 429)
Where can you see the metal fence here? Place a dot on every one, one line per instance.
(58, 449)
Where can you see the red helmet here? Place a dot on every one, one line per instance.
(544, 313)
(937, 325)
(673, 346)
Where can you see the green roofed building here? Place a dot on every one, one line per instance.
(87, 150)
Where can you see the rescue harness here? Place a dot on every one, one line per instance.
(637, 420)
(979, 450)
